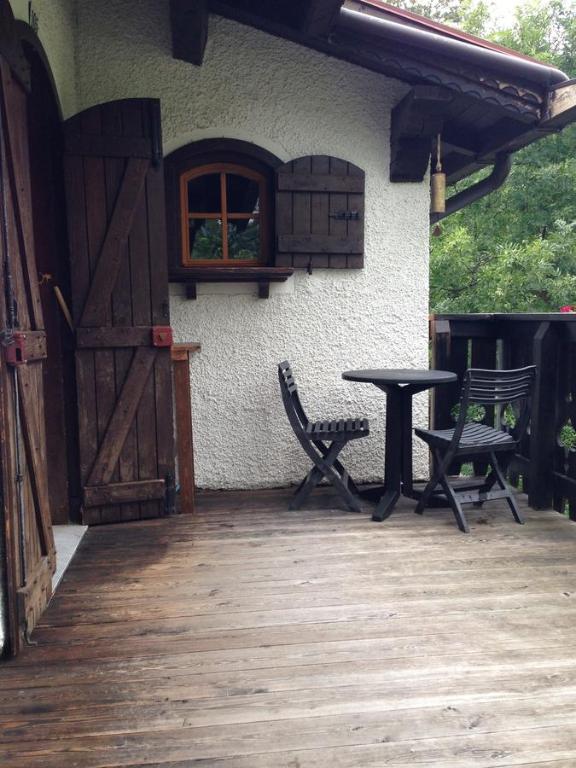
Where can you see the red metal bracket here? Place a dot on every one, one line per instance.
(15, 348)
(162, 336)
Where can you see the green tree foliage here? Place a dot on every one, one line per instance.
(243, 241)
(515, 250)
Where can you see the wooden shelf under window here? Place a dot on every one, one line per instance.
(190, 276)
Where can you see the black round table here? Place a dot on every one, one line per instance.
(400, 385)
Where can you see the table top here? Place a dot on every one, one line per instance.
(400, 376)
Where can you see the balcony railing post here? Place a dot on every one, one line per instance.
(543, 424)
(439, 403)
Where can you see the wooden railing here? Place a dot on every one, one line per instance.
(545, 465)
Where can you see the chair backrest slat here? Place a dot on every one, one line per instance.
(483, 387)
(290, 397)
(496, 388)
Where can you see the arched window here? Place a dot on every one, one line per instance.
(224, 210)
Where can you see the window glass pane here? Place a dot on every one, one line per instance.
(242, 194)
(244, 239)
(204, 194)
(205, 239)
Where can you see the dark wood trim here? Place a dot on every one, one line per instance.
(305, 182)
(416, 120)
(35, 345)
(543, 426)
(189, 26)
(261, 275)
(320, 16)
(222, 150)
(30, 39)
(109, 146)
(124, 493)
(109, 337)
(312, 244)
(123, 416)
(11, 48)
(233, 274)
(184, 433)
(110, 256)
(398, 60)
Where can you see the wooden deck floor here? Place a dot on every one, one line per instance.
(253, 637)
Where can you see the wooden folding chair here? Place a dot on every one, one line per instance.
(322, 441)
(495, 389)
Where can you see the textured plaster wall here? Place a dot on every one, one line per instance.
(293, 102)
(57, 33)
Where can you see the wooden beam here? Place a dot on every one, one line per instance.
(415, 121)
(189, 21)
(320, 16)
(124, 493)
(183, 419)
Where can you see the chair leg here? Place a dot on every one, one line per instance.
(454, 504)
(340, 483)
(505, 486)
(338, 466)
(305, 488)
(438, 469)
(489, 481)
(324, 467)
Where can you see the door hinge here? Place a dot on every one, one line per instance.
(14, 343)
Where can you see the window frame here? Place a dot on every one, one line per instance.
(223, 169)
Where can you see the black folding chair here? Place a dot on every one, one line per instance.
(322, 441)
(495, 389)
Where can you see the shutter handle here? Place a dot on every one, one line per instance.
(345, 216)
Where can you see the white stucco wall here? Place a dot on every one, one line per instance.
(293, 102)
(57, 33)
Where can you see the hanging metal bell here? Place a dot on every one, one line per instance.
(438, 192)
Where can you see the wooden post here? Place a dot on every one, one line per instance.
(439, 404)
(544, 424)
(183, 407)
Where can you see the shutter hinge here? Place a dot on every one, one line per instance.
(14, 343)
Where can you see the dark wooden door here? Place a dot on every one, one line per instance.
(26, 505)
(119, 283)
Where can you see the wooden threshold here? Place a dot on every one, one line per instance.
(249, 636)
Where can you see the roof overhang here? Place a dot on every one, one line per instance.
(485, 100)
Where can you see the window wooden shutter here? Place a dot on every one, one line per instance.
(115, 194)
(320, 214)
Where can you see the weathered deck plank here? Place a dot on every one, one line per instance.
(248, 636)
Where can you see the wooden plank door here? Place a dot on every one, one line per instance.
(119, 281)
(31, 556)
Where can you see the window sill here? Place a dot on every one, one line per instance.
(190, 276)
